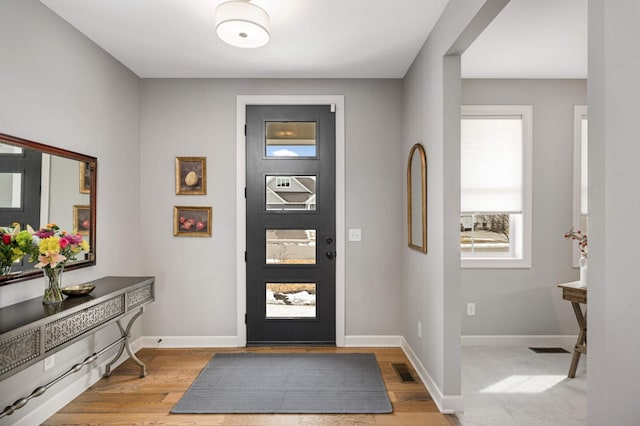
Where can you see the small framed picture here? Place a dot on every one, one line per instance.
(191, 175)
(85, 178)
(191, 221)
(81, 219)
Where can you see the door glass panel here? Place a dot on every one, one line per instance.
(287, 300)
(291, 246)
(9, 149)
(290, 193)
(10, 190)
(290, 139)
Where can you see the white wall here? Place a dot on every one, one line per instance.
(58, 88)
(528, 301)
(196, 277)
(614, 205)
(431, 282)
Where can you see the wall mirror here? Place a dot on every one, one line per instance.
(417, 198)
(41, 184)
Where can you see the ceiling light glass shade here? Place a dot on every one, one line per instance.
(242, 24)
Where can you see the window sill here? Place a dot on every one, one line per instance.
(495, 263)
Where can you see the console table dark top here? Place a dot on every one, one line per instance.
(30, 311)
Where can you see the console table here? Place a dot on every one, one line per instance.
(31, 331)
(577, 295)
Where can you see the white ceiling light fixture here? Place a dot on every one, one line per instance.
(242, 24)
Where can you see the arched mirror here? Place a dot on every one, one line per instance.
(417, 198)
(41, 184)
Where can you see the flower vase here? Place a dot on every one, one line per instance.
(583, 272)
(52, 282)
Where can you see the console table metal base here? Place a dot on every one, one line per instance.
(125, 334)
(10, 409)
(125, 344)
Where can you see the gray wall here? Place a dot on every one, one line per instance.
(614, 205)
(528, 301)
(196, 277)
(431, 282)
(58, 88)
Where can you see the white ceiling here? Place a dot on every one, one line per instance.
(532, 39)
(309, 38)
(328, 38)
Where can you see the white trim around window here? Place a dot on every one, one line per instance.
(521, 256)
(580, 177)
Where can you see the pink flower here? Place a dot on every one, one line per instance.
(43, 233)
(74, 239)
(64, 242)
(50, 259)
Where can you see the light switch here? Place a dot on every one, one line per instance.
(355, 234)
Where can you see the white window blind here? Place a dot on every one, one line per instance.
(491, 164)
(584, 175)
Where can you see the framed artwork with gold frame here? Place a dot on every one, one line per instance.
(85, 178)
(191, 175)
(82, 219)
(192, 221)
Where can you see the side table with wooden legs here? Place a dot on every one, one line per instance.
(577, 295)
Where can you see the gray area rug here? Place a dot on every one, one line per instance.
(287, 383)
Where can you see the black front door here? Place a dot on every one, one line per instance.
(290, 224)
(20, 179)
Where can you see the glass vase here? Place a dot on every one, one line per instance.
(5, 269)
(53, 285)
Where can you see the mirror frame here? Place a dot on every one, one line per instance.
(90, 258)
(417, 149)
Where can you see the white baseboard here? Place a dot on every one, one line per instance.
(190, 342)
(63, 396)
(563, 341)
(447, 404)
(373, 341)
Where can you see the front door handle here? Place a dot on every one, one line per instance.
(331, 254)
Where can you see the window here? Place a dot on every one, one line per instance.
(495, 218)
(580, 174)
(290, 139)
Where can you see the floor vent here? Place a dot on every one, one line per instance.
(549, 350)
(403, 372)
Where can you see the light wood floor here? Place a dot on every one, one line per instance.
(124, 398)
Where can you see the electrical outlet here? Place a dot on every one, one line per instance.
(419, 329)
(48, 363)
(471, 309)
(355, 234)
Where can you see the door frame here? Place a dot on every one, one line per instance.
(241, 277)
